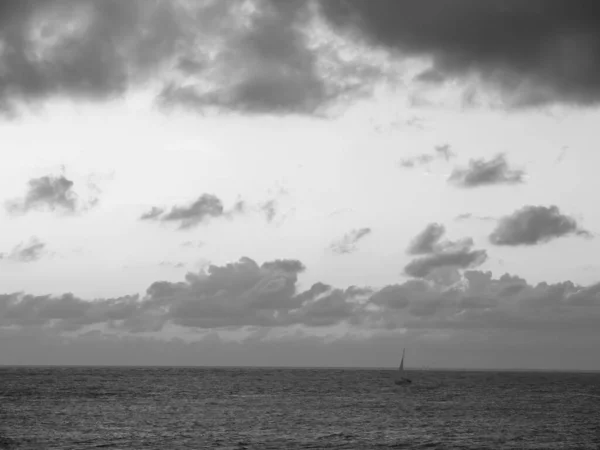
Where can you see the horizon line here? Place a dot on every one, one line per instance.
(186, 366)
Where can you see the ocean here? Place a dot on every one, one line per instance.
(253, 408)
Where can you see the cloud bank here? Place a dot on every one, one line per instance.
(268, 296)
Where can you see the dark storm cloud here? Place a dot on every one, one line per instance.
(81, 48)
(440, 254)
(239, 56)
(533, 225)
(484, 173)
(348, 243)
(535, 51)
(26, 252)
(53, 193)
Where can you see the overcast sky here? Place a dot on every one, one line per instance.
(300, 183)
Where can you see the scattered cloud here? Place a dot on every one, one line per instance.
(563, 152)
(416, 122)
(207, 206)
(440, 151)
(340, 211)
(444, 151)
(427, 239)
(348, 243)
(440, 255)
(269, 208)
(532, 225)
(174, 265)
(462, 258)
(192, 244)
(467, 216)
(26, 252)
(484, 173)
(53, 193)
(415, 161)
(539, 55)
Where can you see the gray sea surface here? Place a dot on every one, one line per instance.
(246, 408)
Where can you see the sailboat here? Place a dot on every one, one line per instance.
(401, 378)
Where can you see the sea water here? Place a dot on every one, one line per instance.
(239, 408)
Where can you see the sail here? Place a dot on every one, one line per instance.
(401, 368)
(400, 376)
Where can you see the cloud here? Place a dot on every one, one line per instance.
(235, 295)
(244, 294)
(445, 151)
(207, 206)
(533, 225)
(532, 54)
(440, 255)
(264, 56)
(485, 173)
(25, 253)
(419, 160)
(426, 240)
(192, 244)
(257, 57)
(81, 48)
(267, 309)
(461, 258)
(53, 193)
(348, 243)
(269, 209)
(477, 301)
(440, 151)
(174, 265)
(466, 216)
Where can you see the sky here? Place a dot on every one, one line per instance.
(301, 183)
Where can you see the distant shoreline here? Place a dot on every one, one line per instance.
(428, 369)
